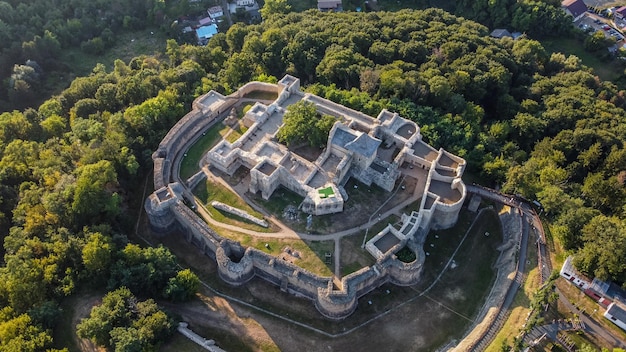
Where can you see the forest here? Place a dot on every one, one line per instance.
(71, 169)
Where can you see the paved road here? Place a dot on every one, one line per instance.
(589, 325)
(592, 326)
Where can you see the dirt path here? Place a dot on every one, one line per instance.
(81, 309)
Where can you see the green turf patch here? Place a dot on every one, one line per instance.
(326, 192)
(190, 163)
(279, 200)
(570, 46)
(261, 95)
(406, 255)
(209, 191)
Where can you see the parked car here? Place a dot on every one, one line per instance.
(606, 27)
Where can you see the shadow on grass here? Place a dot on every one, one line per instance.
(190, 163)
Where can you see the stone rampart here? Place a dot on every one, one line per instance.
(256, 86)
(407, 274)
(166, 207)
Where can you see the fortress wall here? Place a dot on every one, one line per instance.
(439, 177)
(365, 280)
(335, 305)
(256, 86)
(189, 220)
(443, 218)
(161, 173)
(234, 273)
(416, 160)
(446, 215)
(328, 107)
(276, 270)
(161, 217)
(343, 167)
(406, 274)
(237, 266)
(173, 137)
(288, 181)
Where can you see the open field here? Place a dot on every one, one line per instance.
(210, 191)
(127, 46)
(311, 253)
(190, 163)
(607, 71)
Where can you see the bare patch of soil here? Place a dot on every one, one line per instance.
(81, 309)
(307, 152)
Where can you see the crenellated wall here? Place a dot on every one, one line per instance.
(237, 265)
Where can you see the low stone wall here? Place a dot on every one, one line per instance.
(241, 213)
(507, 272)
(208, 345)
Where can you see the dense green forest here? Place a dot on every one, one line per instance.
(35, 37)
(540, 125)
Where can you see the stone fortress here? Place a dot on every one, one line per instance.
(372, 150)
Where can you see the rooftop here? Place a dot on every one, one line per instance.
(618, 311)
(385, 243)
(206, 32)
(442, 189)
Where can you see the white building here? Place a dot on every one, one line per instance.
(569, 273)
(215, 12)
(242, 3)
(616, 313)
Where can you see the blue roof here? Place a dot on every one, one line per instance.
(206, 31)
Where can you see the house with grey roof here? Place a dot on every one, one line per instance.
(574, 8)
(616, 313)
(500, 33)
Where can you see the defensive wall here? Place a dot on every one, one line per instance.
(167, 207)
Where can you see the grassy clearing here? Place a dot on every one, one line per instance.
(233, 134)
(480, 252)
(190, 163)
(353, 257)
(178, 342)
(65, 331)
(445, 242)
(210, 191)
(607, 71)
(279, 200)
(77, 63)
(127, 46)
(261, 95)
